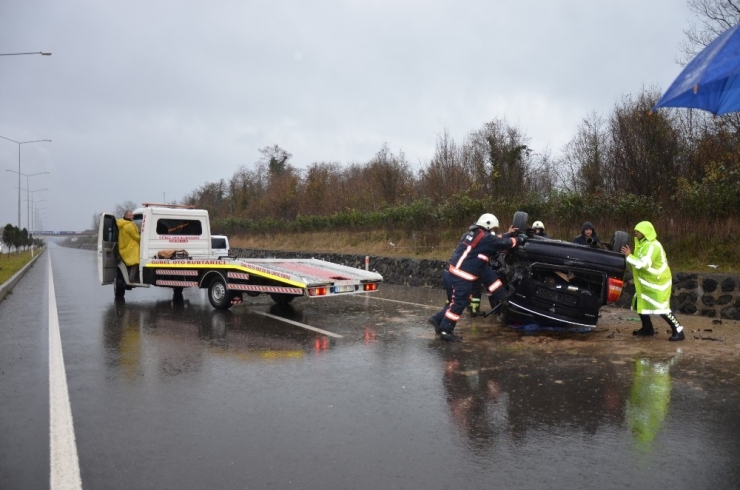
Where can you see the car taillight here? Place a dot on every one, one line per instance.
(371, 287)
(614, 289)
(317, 292)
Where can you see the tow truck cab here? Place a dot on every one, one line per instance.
(160, 228)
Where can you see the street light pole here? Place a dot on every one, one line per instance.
(19, 143)
(34, 211)
(29, 203)
(28, 192)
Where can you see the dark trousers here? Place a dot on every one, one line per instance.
(458, 294)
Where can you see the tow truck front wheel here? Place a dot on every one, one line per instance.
(218, 295)
(119, 286)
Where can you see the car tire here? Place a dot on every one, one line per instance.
(520, 220)
(119, 286)
(621, 238)
(281, 298)
(218, 294)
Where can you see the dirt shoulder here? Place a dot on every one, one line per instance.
(706, 338)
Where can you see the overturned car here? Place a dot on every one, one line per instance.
(558, 283)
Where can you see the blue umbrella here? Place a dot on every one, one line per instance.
(711, 81)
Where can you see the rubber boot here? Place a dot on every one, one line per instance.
(446, 328)
(676, 328)
(474, 308)
(647, 329)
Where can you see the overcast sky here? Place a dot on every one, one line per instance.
(146, 100)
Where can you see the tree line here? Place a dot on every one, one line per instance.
(670, 163)
(17, 238)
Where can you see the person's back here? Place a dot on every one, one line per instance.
(128, 243)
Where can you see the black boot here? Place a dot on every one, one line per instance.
(433, 322)
(676, 327)
(647, 327)
(449, 336)
(446, 328)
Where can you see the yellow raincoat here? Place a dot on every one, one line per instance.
(128, 242)
(653, 279)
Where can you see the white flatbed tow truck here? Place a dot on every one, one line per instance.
(183, 234)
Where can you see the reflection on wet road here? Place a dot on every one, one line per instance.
(170, 394)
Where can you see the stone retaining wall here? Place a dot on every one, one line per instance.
(706, 294)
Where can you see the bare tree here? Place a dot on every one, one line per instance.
(389, 177)
(714, 17)
(584, 157)
(446, 174)
(276, 159)
(122, 207)
(644, 147)
(95, 222)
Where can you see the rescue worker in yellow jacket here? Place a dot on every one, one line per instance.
(128, 244)
(653, 281)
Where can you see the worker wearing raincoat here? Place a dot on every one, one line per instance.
(128, 243)
(653, 281)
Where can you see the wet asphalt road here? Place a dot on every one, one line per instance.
(177, 395)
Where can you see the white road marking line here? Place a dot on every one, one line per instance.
(65, 466)
(406, 302)
(299, 324)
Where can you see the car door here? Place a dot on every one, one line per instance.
(107, 249)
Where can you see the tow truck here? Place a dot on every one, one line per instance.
(175, 252)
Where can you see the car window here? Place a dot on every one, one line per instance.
(178, 227)
(218, 242)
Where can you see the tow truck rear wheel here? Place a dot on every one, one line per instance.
(281, 298)
(218, 294)
(119, 286)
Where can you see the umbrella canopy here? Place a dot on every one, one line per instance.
(711, 81)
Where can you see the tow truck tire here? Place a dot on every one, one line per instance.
(218, 294)
(281, 298)
(119, 286)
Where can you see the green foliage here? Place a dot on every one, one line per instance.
(716, 194)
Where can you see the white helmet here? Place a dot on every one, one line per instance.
(538, 224)
(487, 221)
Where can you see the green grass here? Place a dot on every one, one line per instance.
(13, 262)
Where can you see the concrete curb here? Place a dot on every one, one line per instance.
(8, 285)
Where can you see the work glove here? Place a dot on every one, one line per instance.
(520, 239)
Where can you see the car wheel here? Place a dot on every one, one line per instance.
(119, 286)
(520, 220)
(218, 294)
(282, 299)
(621, 238)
